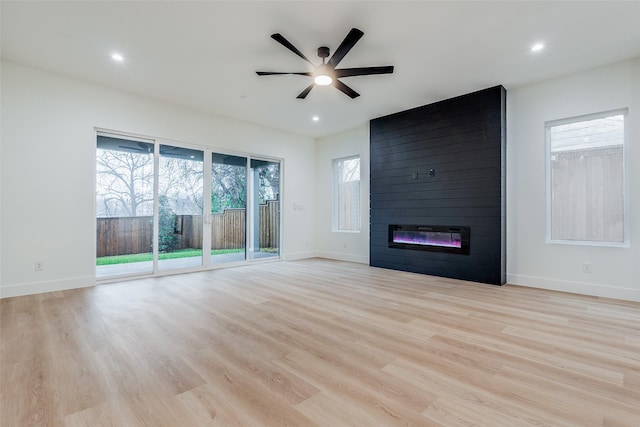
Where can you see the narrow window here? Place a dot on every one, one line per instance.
(586, 179)
(346, 178)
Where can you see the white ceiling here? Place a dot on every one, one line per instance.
(204, 54)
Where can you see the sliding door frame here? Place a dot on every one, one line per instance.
(206, 215)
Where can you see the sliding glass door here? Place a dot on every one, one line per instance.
(264, 231)
(228, 208)
(180, 207)
(124, 206)
(153, 215)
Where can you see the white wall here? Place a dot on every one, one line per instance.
(47, 155)
(48, 171)
(346, 246)
(531, 261)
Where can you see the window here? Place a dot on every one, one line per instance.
(586, 179)
(346, 179)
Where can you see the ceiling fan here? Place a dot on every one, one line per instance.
(326, 73)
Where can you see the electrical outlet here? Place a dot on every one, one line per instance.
(38, 265)
(586, 267)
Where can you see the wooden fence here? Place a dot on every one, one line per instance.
(228, 229)
(269, 225)
(588, 196)
(349, 205)
(133, 235)
(123, 235)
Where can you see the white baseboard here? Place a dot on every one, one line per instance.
(343, 257)
(596, 290)
(292, 256)
(21, 289)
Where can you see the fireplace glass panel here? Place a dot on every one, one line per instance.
(434, 238)
(430, 238)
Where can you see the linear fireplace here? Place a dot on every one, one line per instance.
(435, 238)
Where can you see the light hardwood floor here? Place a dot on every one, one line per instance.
(317, 342)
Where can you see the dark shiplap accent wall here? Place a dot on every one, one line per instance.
(463, 140)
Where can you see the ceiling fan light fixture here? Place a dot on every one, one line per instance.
(323, 80)
(323, 75)
(327, 74)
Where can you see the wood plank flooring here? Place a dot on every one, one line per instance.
(317, 343)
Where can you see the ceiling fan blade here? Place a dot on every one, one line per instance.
(286, 43)
(277, 73)
(305, 92)
(346, 45)
(345, 89)
(363, 71)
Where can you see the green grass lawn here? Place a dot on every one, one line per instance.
(181, 253)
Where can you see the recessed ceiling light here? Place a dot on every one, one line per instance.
(117, 57)
(315, 118)
(536, 47)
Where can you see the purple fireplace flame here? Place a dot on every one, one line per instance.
(448, 240)
(435, 238)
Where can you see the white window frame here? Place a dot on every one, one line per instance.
(548, 125)
(336, 196)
